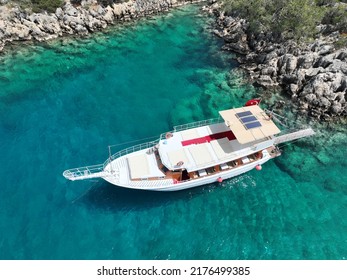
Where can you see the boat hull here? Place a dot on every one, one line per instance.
(224, 175)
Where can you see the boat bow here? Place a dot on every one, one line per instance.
(87, 172)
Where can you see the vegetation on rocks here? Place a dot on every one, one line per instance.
(300, 46)
(51, 5)
(290, 19)
(40, 5)
(336, 16)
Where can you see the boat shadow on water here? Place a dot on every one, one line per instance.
(105, 196)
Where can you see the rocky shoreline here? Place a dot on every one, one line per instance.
(17, 24)
(314, 75)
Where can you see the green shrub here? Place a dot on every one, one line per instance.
(40, 5)
(285, 19)
(337, 16)
(341, 43)
(46, 5)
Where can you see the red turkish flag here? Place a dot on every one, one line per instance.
(252, 102)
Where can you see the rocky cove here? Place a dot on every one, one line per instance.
(17, 24)
(314, 74)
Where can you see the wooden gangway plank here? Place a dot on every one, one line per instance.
(294, 135)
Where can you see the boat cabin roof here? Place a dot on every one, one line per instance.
(203, 147)
(249, 123)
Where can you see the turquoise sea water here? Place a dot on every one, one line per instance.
(63, 102)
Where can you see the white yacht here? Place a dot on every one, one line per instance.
(196, 154)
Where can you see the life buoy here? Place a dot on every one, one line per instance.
(168, 135)
(180, 163)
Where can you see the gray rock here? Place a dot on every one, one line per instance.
(271, 56)
(217, 33)
(289, 79)
(324, 102)
(336, 108)
(338, 82)
(97, 11)
(108, 16)
(265, 81)
(59, 13)
(46, 23)
(249, 58)
(80, 29)
(340, 97)
(307, 60)
(230, 22)
(287, 64)
(311, 98)
(324, 61)
(342, 55)
(18, 32)
(268, 71)
(70, 10)
(118, 10)
(233, 37)
(325, 49)
(337, 66)
(291, 63)
(313, 72)
(34, 29)
(293, 88)
(260, 58)
(239, 47)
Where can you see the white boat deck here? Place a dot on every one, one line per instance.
(143, 165)
(209, 143)
(138, 166)
(122, 172)
(181, 151)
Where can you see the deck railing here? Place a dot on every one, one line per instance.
(83, 172)
(197, 124)
(151, 144)
(147, 145)
(89, 171)
(129, 150)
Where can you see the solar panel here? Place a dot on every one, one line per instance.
(252, 125)
(248, 119)
(244, 114)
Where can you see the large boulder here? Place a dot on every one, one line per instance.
(307, 60)
(36, 32)
(17, 31)
(108, 15)
(46, 23)
(238, 47)
(287, 64)
(265, 81)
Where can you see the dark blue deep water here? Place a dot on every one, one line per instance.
(63, 102)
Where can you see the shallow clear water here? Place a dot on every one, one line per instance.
(63, 102)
